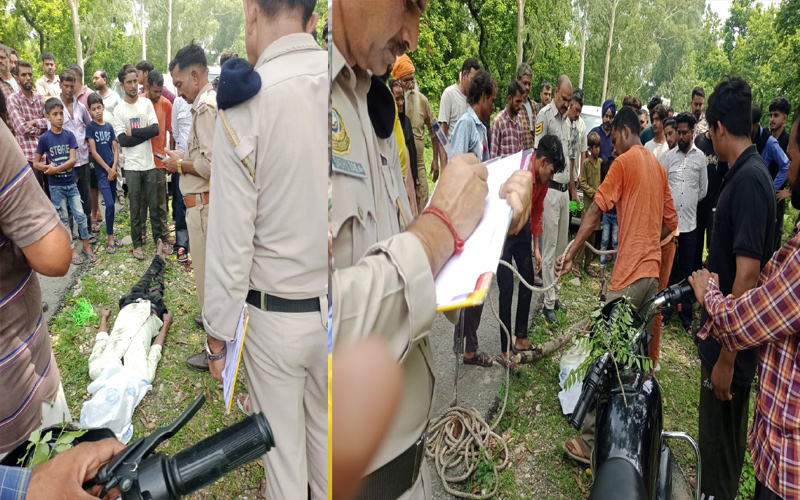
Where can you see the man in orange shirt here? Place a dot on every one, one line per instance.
(637, 185)
(163, 109)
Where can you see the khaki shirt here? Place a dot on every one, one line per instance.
(382, 282)
(549, 121)
(201, 138)
(271, 235)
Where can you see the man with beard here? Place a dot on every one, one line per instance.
(670, 132)
(767, 318)
(8, 84)
(545, 94)
(698, 101)
(529, 108)
(742, 244)
(26, 112)
(418, 110)
(688, 183)
(609, 110)
(47, 86)
(777, 164)
(408, 139)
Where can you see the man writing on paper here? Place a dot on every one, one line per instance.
(637, 185)
(383, 270)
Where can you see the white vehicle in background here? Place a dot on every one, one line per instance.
(591, 118)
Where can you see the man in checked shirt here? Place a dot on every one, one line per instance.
(767, 317)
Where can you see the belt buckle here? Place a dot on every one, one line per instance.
(419, 455)
(263, 300)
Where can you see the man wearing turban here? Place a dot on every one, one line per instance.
(604, 130)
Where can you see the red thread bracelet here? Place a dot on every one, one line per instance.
(459, 242)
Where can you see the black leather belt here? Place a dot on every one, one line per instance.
(397, 476)
(558, 186)
(267, 302)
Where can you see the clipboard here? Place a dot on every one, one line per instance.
(465, 279)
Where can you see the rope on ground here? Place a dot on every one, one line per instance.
(461, 437)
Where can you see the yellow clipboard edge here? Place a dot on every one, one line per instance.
(238, 363)
(476, 298)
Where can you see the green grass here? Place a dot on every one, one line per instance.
(175, 385)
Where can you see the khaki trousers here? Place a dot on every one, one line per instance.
(197, 224)
(286, 357)
(555, 229)
(639, 292)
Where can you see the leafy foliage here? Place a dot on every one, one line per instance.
(611, 336)
(41, 450)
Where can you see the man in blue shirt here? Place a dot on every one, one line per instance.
(777, 163)
(60, 477)
(470, 136)
(609, 110)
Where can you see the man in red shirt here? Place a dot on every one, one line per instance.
(637, 185)
(163, 108)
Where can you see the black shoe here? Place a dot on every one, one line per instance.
(198, 320)
(198, 361)
(560, 307)
(45, 307)
(549, 316)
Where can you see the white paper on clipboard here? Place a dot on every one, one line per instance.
(482, 250)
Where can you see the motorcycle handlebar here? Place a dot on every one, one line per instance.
(163, 478)
(592, 384)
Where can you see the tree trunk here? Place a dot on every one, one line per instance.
(481, 33)
(614, 4)
(142, 17)
(76, 30)
(520, 28)
(169, 31)
(583, 32)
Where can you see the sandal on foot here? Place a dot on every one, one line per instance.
(183, 255)
(76, 261)
(96, 227)
(110, 248)
(244, 404)
(517, 351)
(480, 359)
(508, 363)
(91, 256)
(138, 254)
(537, 282)
(92, 240)
(577, 451)
(117, 242)
(590, 272)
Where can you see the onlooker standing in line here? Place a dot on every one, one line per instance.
(707, 207)
(688, 183)
(163, 109)
(83, 94)
(47, 86)
(590, 181)
(552, 119)
(26, 112)
(778, 113)
(609, 111)
(545, 94)
(76, 118)
(470, 136)
(506, 141)
(104, 148)
(577, 142)
(741, 245)
(777, 165)
(530, 109)
(189, 71)
(698, 101)
(8, 84)
(453, 104)
(658, 144)
(135, 123)
(60, 147)
(181, 124)
(143, 69)
(33, 240)
(649, 132)
(642, 113)
(670, 132)
(110, 101)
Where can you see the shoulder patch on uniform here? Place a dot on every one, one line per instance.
(340, 141)
(539, 128)
(347, 167)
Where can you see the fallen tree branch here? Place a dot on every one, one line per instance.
(553, 345)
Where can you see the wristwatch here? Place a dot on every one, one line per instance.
(180, 166)
(215, 357)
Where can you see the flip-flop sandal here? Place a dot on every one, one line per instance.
(571, 449)
(183, 255)
(538, 282)
(110, 248)
(576, 273)
(91, 256)
(244, 405)
(508, 363)
(479, 359)
(517, 351)
(92, 240)
(590, 272)
(117, 242)
(96, 226)
(138, 254)
(76, 261)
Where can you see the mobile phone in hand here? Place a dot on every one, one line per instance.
(159, 156)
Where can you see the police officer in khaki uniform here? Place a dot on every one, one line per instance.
(267, 238)
(189, 71)
(552, 119)
(383, 270)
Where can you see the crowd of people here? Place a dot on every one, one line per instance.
(67, 150)
(675, 193)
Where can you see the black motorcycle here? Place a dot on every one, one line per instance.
(142, 474)
(632, 460)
